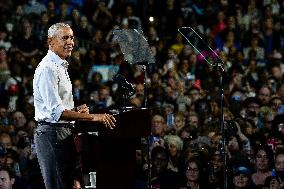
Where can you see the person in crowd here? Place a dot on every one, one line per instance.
(162, 177)
(251, 107)
(158, 126)
(263, 165)
(193, 120)
(26, 44)
(4, 120)
(272, 182)
(33, 7)
(6, 141)
(254, 45)
(194, 94)
(183, 101)
(179, 121)
(174, 145)
(277, 73)
(6, 179)
(280, 91)
(276, 104)
(102, 16)
(4, 41)
(195, 176)
(216, 170)
(241, 178)
(4, 68)
(13, 87)
(19, 120)
(55, 111)
(279, 166)
(104, 99)
(264, 95)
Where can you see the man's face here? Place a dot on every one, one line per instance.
(19, 119)
(158, 125)
(160, 163)
(279, 162)
(233, 144)
(194, 95)
(104, 94)
(252, 110)
(62, 43)
(6, 142)
(140, 89)
(217, 163)
(264, 95)
(241, 181)
(5, 181)
(3, 112)
(193, 121)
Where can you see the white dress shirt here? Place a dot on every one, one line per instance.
(52, 89)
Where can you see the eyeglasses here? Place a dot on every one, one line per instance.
(193, 170)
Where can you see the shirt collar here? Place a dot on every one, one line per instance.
(65, 64)
(57, 60)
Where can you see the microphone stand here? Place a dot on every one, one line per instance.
(123, 93)
(145, 105)
(144, 68)
(219, 65)
(124, 96)
(223, 131)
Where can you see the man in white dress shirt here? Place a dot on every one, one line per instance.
(55, 111)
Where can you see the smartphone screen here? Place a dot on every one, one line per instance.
(281, 109)
(170, 120)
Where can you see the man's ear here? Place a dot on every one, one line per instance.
(50, 42)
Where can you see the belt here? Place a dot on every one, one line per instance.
(67, 125)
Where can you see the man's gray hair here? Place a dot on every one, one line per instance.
(52, 31)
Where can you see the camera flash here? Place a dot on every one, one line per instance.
(151, 18)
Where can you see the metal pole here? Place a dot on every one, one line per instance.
(223, 147)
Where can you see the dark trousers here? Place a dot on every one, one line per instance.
(56, 154)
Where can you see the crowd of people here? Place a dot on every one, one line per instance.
(186, 91)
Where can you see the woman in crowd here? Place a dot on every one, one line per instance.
(195, 177)
(263, 163)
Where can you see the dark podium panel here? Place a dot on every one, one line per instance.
(111, 153)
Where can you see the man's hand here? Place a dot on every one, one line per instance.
(76, 184)
(107, 119)
(82, 109)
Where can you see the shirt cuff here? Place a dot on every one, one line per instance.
(56, 114)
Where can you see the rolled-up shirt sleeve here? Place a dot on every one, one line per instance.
(48, 89)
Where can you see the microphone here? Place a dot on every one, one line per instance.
(124, 84)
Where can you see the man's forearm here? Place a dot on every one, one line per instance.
(72, 115)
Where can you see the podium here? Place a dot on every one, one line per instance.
(112, 153)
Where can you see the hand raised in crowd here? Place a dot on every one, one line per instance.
(107, 119)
